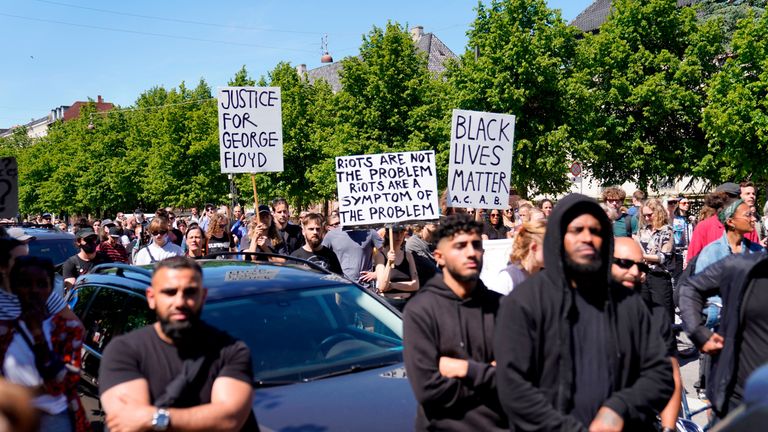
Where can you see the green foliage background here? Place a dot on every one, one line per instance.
(658, 93)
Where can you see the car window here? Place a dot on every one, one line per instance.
(112, 313)
(299, 335)
(80, 299)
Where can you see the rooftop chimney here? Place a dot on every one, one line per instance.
(417, 32)
(301, 70)
(100, 100)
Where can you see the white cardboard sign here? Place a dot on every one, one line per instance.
(386, 188)
(250, 129)
(481, 159)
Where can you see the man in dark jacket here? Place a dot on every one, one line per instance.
(448, 337)
(740, 345)
(574, 349)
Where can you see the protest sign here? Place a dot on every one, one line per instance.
(481, 159)
(9, 188)
(386, 188)
(250, 129)
(495, 259)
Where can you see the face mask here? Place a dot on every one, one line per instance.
(88, 248)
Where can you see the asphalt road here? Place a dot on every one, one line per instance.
(689, 370)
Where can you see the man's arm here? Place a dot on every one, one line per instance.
(694, 291)
(422, 358)
(128, 408)
(652, 390)
(525, 405)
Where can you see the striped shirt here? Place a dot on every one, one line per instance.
(10, 306)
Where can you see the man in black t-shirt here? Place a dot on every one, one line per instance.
(313, 250)
(85, 259)
(290, 233)
(178, 372)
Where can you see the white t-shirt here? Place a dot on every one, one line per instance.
(168, 250)
(19, 367)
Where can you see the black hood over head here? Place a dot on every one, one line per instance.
(566, 210)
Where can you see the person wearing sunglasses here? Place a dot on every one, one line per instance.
(494, 228)
(657, 241)
(629, 270)
(159, 247)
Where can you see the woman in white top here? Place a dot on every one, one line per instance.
(160, 247)
(527, 257)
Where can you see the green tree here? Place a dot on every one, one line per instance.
(638, 92)
(729, 12)
(736, 117)
(518, 59)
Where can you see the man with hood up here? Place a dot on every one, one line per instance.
(575, 350)
(448, 337)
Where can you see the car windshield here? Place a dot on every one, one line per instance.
(58, 250)
(301, 335)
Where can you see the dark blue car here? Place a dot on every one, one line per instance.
(327, 354)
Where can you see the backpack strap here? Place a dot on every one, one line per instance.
(152, 259)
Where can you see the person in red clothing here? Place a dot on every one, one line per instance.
(711, 229)
(111, 246)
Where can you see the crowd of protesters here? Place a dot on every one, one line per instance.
(574, 333)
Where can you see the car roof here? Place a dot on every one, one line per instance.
(48, 233)
(223, 278)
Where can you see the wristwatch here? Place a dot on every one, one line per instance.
(161, 420)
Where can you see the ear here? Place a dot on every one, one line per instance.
(151, 297)
(438, 254)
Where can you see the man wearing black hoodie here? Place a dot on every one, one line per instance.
(448, 337)
(575, 350)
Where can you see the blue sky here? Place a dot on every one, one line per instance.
(58, 51)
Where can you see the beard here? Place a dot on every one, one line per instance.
(580, 269)
(472, 277)
(181, 332)
(314, 242)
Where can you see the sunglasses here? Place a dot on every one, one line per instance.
(628, 263)
(647, 214)
(494, 215)
(159, 232)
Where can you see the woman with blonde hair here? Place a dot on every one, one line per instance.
(526, 258)
(656, 238)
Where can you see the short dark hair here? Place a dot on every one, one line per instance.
(455, 224)
(639, 195)
(179, 263)
(277, 201)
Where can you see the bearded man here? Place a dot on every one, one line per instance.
(178, 373)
